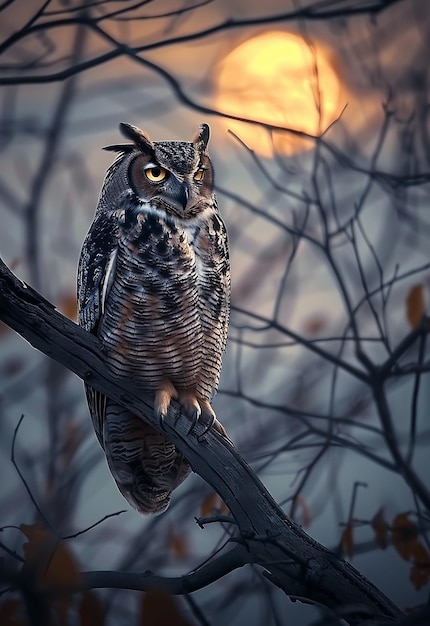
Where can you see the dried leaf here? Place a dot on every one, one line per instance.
(13, 613)
(13, 366)
(14, 264)
(208, 505)
(405, 540)
(73, 437)
(420, 571)
(51, 559)
(91, 612)
(178, 544)
(37, 536)
(306, 518)
(223, 508)
(419, 576)
(315, 324)
(415, 305)
(68, 306)
(4, 328)
(380, 528)
(404, 535)
(347, 540)
(160, 609)
(213, 504)
(420, 555)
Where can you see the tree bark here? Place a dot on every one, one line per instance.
(292, 560)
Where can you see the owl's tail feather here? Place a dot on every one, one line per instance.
(145, 465)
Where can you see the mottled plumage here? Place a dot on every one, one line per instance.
(154, 286)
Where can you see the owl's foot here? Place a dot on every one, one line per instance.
(193, 408)
(163, 397)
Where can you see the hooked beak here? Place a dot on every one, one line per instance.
(176, 193)
(183, 195)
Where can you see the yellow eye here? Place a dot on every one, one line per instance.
(155, 173)
(199, 174)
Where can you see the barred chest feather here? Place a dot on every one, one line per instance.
(151, 326)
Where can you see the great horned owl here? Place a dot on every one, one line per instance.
(154, 286)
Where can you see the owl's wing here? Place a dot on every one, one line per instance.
(214, 299)
(96, 271)
(221, 263)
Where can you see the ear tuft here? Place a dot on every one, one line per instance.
(201, 138)
(120, 147)
(137, 136)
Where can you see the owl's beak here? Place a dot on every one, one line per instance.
(176, 193)
(183, 194)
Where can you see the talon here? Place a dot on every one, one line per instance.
(211, 421)
(161, 419)
(209, 414)
(220, 428)
(191, 407)
(194, 420)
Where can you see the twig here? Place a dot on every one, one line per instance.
(103, 519)
(20, 474)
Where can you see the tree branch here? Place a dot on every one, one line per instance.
(292, 560)
(201, 577)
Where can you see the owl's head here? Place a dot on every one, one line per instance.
(173, 176)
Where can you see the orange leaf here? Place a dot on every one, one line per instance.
(380, 528)
(415, 305)
(420, 555)
(223, 508)
(347, 540)
(208, 505)
(315, 324)
(213, 504)
(4, 328)
(13, 366)
(420, 571)
(306, 518)
(51, 559)
(37, 535)
(419, 576)
(404, 535)
(160, 609)
(73, 436)
(68, 306)
(178, 544)
(91, 612)
(12, 613)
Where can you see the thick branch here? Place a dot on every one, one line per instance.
(292, 560)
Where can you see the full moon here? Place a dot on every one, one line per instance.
(278, 78)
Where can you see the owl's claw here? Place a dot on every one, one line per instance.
(191, 407)
(194, 420)
(211, 422)
(209, 414)
(161, 418)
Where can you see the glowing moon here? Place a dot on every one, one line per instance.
(279, 79)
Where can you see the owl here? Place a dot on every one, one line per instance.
(154, 287)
